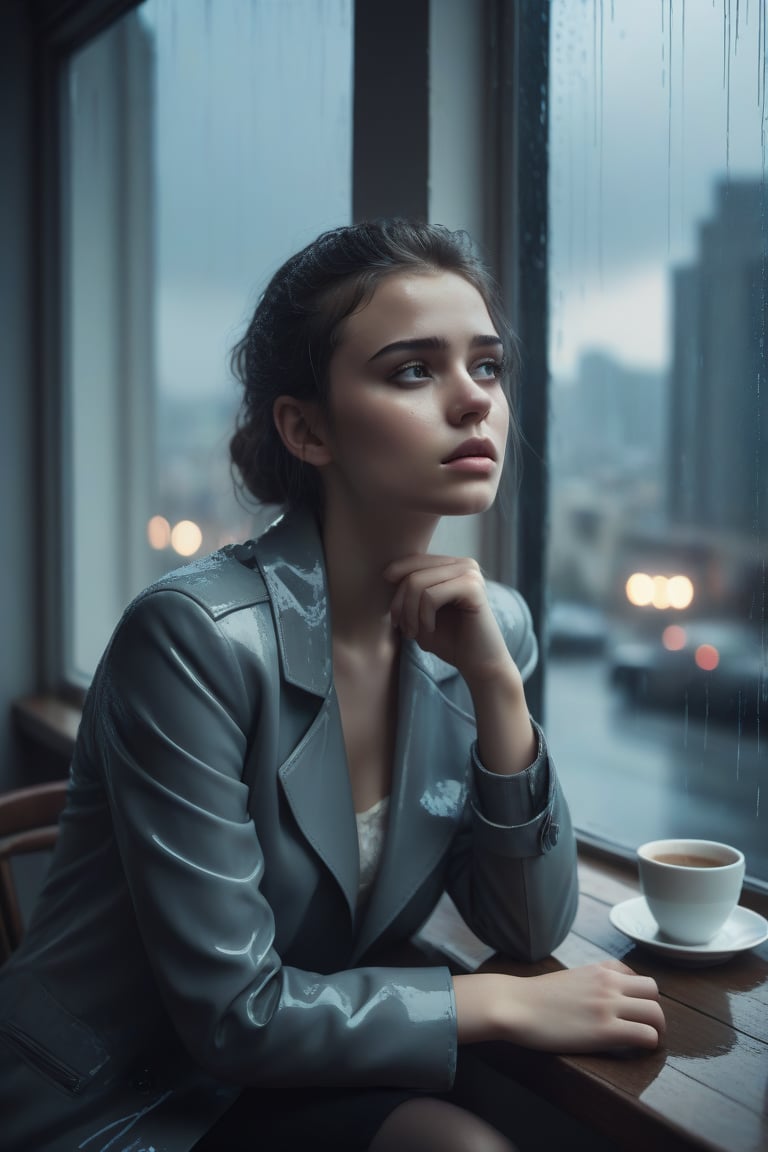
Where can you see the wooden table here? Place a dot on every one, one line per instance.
(707, 1088)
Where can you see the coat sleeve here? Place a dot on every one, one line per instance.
(512, 873)
(170, 712)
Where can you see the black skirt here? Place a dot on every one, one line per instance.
(318, 1119)
(278, 1119)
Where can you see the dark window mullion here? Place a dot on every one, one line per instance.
(521, 37)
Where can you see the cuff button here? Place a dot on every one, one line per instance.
(550, 834)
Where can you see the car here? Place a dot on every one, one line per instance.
(574, 629)
(718, 667)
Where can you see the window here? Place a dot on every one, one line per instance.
(179, 199)
(175, 211)
(657, 683)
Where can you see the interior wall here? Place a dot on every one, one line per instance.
(17, 408)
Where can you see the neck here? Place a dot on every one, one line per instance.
(357, 550)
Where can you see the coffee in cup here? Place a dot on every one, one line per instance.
(690, 886)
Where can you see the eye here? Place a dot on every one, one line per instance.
(489, 369)
(410, 375)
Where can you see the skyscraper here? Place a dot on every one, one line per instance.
(718, 429)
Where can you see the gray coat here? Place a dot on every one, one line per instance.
(199, 929)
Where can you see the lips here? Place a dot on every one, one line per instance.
(474, 448)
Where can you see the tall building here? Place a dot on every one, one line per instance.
(609, 422)
(718, 428)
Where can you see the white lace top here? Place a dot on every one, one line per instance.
(371, 830)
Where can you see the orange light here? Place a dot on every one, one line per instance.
(673, 638)
(186, 537)
(707, 657)
(158, 533)
(639, 589)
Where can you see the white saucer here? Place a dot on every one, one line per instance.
(742, 930)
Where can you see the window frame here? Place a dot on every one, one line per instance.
(59, 29)
(520, 129)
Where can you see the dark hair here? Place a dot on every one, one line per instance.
(288, 344)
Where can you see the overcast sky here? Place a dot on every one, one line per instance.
(253, 152)
(652, 103)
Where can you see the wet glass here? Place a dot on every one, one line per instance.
(657, 683)
(203, 144)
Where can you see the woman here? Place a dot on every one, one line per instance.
(291, 748)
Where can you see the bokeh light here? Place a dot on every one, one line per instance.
(660, 598)
(639, 589)
(186, 537)
(158, 533)
(707, 657)
(673, 638)
(680, 592)
(662, 592)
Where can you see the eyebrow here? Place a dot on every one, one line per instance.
(433, 343)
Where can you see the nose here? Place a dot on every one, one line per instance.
(470, 402)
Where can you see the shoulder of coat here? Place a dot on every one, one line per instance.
(514, 617)
(224, 582)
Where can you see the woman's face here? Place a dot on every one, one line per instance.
(418, 418)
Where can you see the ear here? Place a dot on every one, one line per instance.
(302, 428)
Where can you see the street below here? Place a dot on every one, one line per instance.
(633, 774)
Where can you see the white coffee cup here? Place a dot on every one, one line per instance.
(691, 886)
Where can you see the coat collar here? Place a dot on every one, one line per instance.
(290, 558)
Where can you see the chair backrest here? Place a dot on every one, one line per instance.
(29, 819)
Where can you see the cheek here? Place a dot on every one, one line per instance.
(383, 428)
(501, 415)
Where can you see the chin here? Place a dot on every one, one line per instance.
(466, 503)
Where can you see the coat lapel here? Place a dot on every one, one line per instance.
(315, 779)
(428, 792)
(314, 775)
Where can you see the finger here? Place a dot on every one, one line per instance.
(404, 609)
(635, 1034)
(642, 987)
(456, 591)
(643, 1012)
(423, 562)
(420, 595)
(653, 1014)
(420, 606)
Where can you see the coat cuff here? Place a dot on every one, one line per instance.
(516, 815)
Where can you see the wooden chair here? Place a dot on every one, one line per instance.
(29, 819)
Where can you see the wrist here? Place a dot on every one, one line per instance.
(507, 742)
(500, 677)
(479, 1007)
